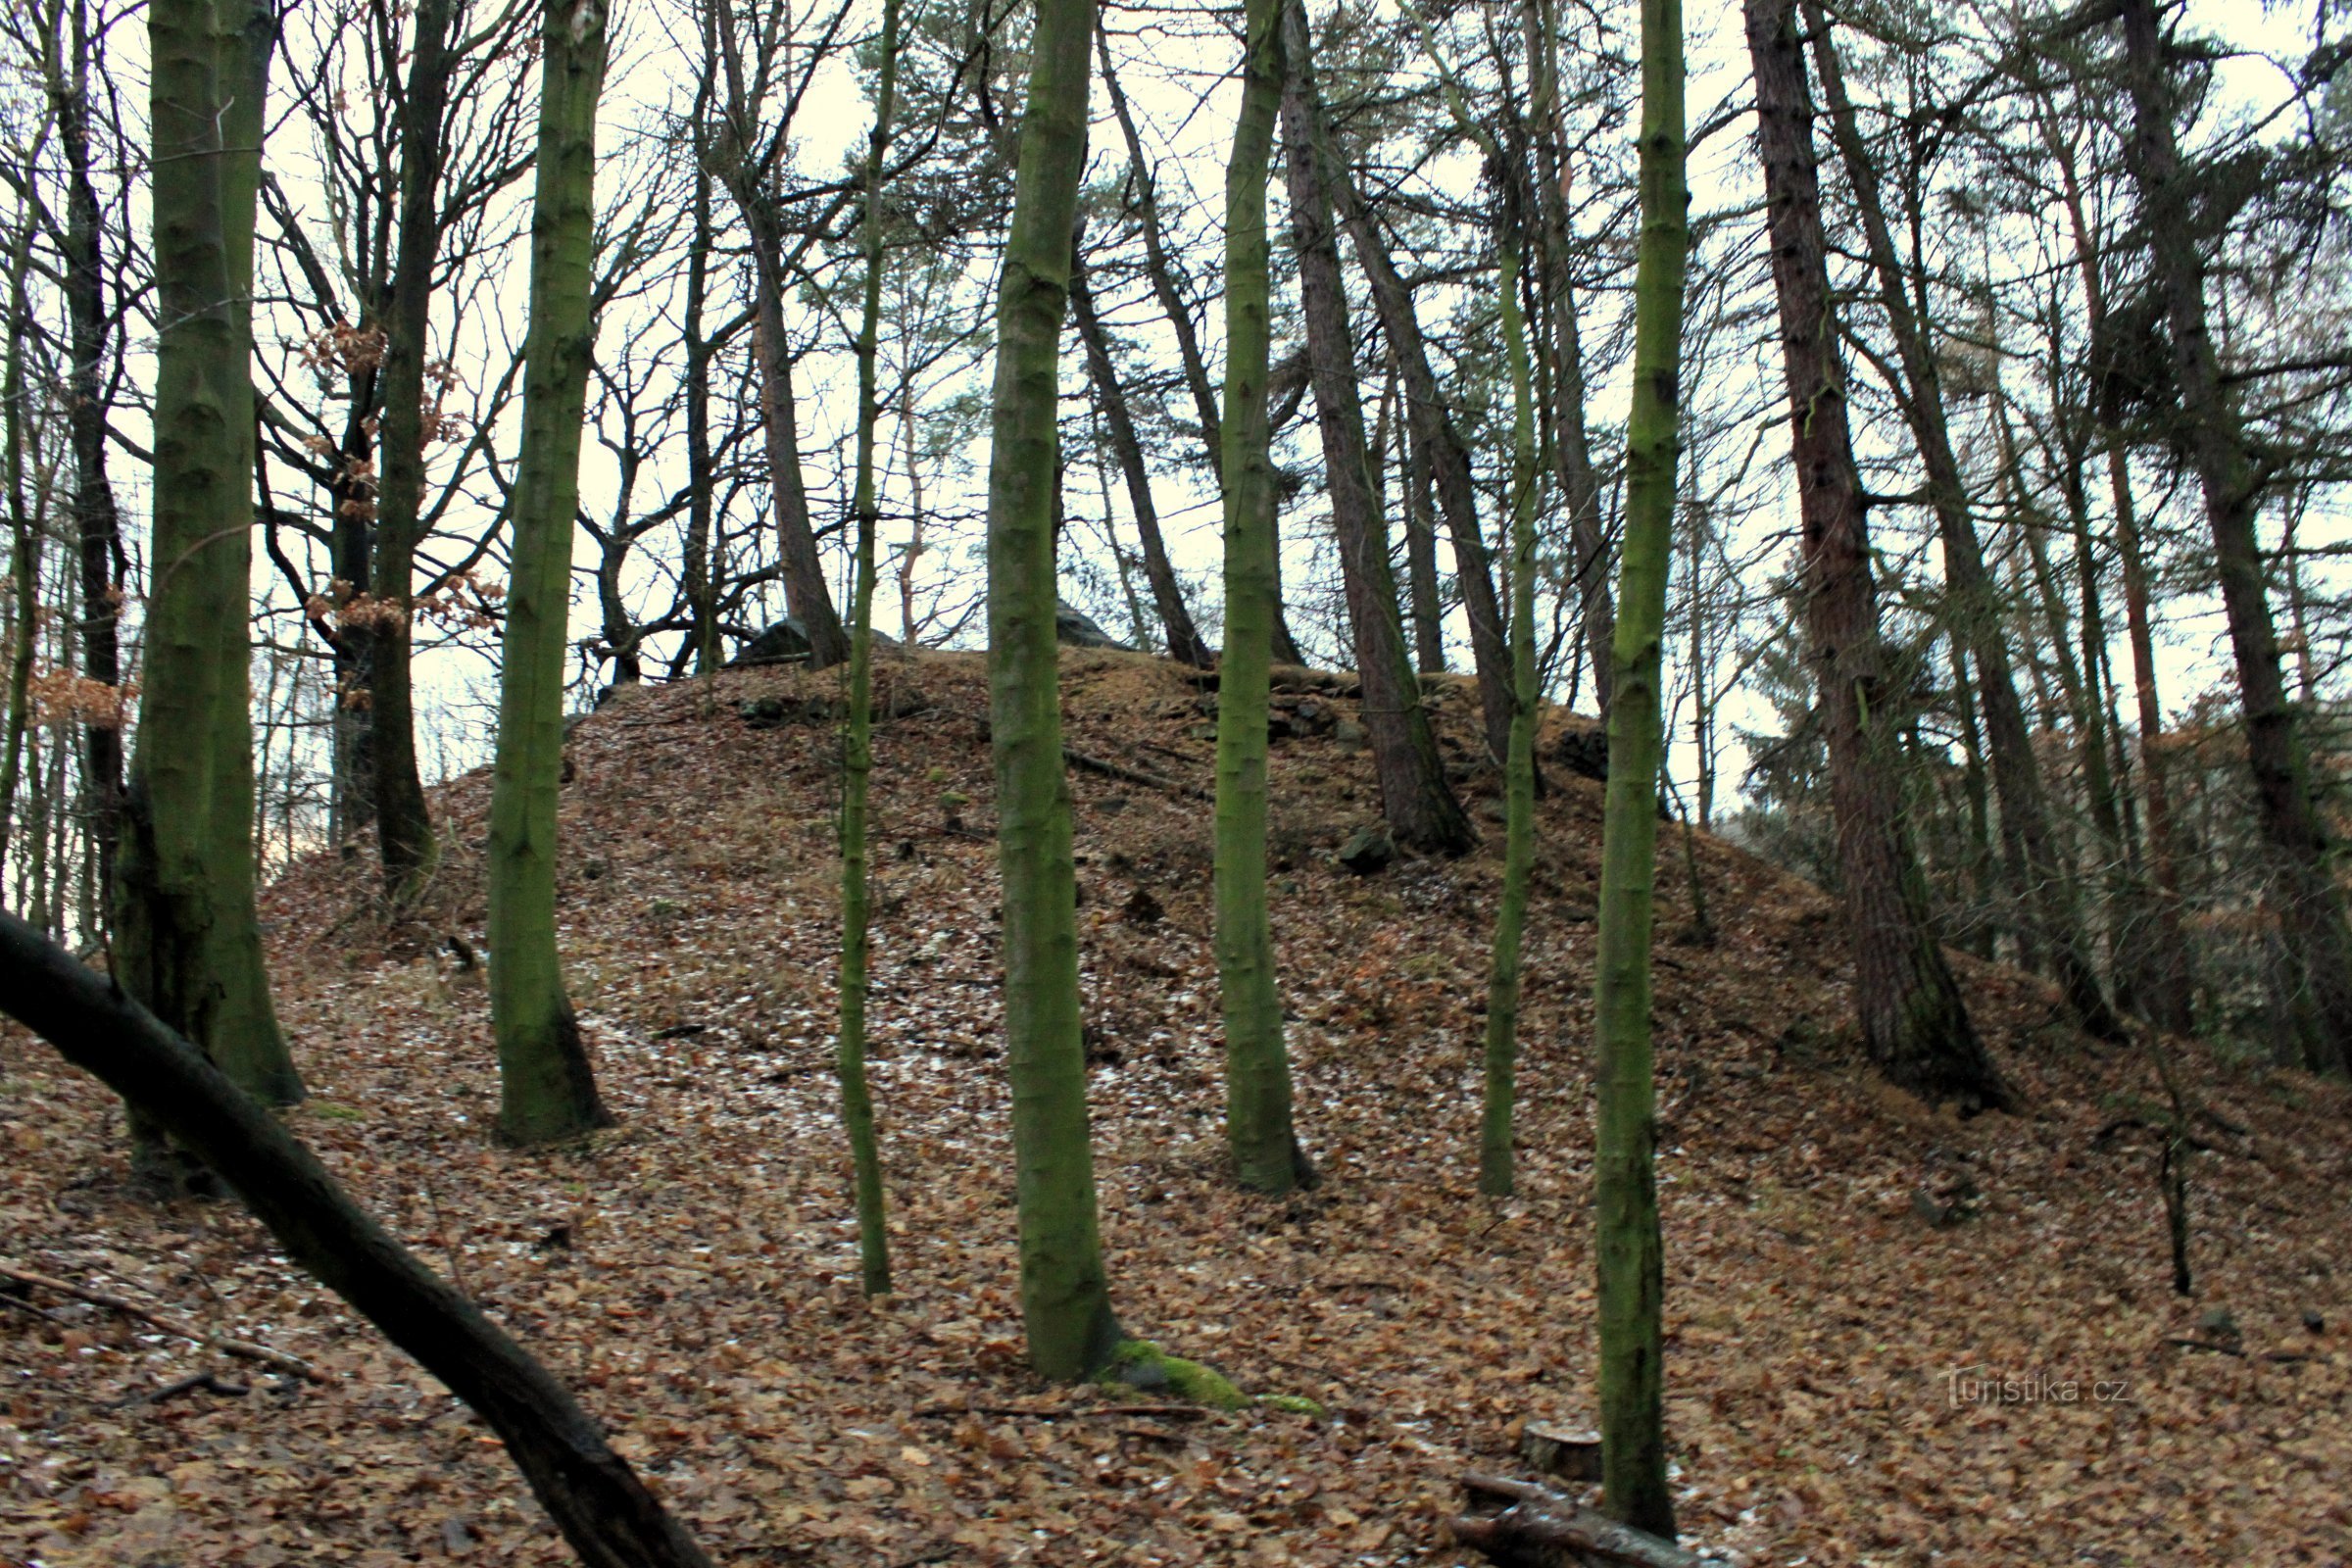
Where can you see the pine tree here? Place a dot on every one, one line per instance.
(2317, 945)
(1914, 1024)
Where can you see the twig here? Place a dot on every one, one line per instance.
(211, 1383)
(168, 1324)
(1133, 775)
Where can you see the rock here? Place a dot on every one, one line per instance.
(1583, 748)
(1311, 717)
(2219, 1324)
(1368, 850)
(1075, 628)
(1349, 735)
(785, 712)
(2314, 1322)
(787, 641)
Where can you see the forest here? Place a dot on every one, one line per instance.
(880, 782)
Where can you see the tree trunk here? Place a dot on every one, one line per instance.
(1420, 548)
(547, 1086)
(1571, 444)
(1418, 802)
(857, 749)
(404, 827)
(24, 562)
(97, 529)
(188, 944)
(699, 573)
(1914, 1025)
(2311, 909)
(594, 1498)
(1627, 1240)
(1973, 599)
(1258, 1128)
(1065, 1296)
(1162, 272)
(1184, 641)
(1449, 461)
(806, 594)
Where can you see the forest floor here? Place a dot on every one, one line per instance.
(1846, 1271)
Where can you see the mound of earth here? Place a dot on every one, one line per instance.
(1892, 1337)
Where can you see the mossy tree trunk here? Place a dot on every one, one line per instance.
(1625, 1223)
(857, 741)
(188, 943)
(253, 1047)
(1258, 1126)
(1496, 1174)
(547, 1087)
(1914, 1025)
(1065, 1296)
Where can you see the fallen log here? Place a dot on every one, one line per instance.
(596, 1501)
(1545, 1529)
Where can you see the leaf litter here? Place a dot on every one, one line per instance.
(1892, 1337)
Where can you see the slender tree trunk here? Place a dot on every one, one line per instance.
(1627, 1242)
(1914, 1025)
(1972, 599)
(806, 594)
(1421, 550)
(24, 561)
(1418, 802)
(1162, 272)
(547, 1086)
(1065, 1296)
(2167, 984)
(1258, 1128)
(1449, 460)
(1497, 1161)
(97, 528)
(1167, 597)
(701, 596)
(2311, 909)
(858, 754)
(1571, 443)
(188, 944)
(1978, 795)
(404, 827)
(603, 1510)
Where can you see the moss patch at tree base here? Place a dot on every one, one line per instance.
(1140, 1364)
